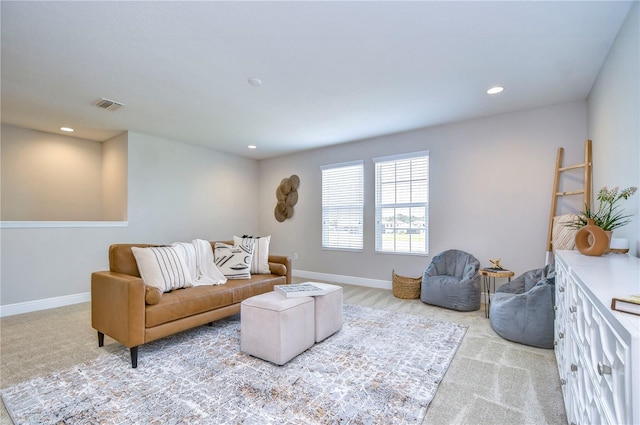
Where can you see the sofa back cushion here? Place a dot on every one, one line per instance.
(121, 259)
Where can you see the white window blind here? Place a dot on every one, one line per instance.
(402, 203)
(342, 206)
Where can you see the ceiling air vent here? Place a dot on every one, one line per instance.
(109, 105)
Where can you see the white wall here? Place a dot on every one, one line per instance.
(177, 192)
(48, 176)
(490, 191)
(614, 123)
(182, 192)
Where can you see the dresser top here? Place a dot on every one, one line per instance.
(606, 277)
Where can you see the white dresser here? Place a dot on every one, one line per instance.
(598, 349)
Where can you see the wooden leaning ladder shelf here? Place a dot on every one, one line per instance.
(585, 191)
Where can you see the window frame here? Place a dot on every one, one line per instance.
(379, 206)
(344, 244)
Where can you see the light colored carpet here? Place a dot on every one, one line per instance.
(489, 381)
(381, 368)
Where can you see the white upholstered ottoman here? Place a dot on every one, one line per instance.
(276, 328)
(328, 314)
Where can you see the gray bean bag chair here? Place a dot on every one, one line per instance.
(522, 310)
(452, 281)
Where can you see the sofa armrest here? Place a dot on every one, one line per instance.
(281, 260)
(118, 307)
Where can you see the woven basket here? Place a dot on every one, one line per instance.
(407, 288)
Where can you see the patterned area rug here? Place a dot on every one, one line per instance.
(381, 368)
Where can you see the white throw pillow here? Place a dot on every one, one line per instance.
(162, 267)
(233, 261)
(260, 259)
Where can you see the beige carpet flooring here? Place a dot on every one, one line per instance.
(490, 381)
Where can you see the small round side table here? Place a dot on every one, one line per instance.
(489, 275)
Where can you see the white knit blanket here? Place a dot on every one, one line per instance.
(198, 256)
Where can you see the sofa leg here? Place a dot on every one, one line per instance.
(100, 339)
(134, 357)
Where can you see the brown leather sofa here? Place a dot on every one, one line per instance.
(118, 307)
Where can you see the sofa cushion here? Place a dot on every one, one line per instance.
(162, 267)
(152, 295)
(278, 269)
(258, 284)
(233, 261)
(260, 248)
(121, 259)
(186, 302)
(182, 303)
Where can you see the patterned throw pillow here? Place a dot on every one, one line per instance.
(563, 236)
(162, 267)
(260, 246)
(233, 261)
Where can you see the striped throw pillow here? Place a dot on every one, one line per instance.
(162, 267)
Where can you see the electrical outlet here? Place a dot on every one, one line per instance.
(295, 255)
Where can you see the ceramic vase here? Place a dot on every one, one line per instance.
(592, 240)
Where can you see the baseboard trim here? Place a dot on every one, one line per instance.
(351, 280)
(45, 304)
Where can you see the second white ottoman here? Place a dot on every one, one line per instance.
(276, 328)
(328, 311)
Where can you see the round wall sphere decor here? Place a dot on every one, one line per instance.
(287, 196)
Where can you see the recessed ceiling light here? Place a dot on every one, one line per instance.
(255, 82)
(495, 90)
(68, 129)
(252, 146)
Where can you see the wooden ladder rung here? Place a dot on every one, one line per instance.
(572, 167)
(575, 192)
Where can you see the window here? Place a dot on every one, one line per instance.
(342, 206)
(402, 203)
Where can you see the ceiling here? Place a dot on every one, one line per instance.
(331, 72)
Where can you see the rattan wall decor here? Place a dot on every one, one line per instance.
(287, 196)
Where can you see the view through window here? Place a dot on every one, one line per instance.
(402, 203)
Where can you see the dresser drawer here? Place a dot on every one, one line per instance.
(609, 365)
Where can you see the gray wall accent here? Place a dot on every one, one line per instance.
(490, 192)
